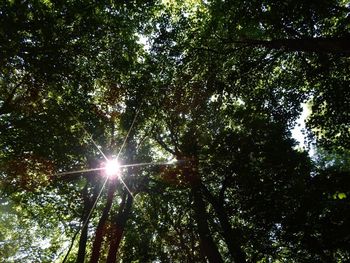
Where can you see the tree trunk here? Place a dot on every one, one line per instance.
(82, 244)
(118, 225)
(207, 243)
(88, 205)
(232, 237)
(95, 255)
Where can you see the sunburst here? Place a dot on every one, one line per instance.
(112, 169)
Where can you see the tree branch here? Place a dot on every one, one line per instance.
(5, 107)
(160, 141)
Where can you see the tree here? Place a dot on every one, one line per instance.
(217, 88)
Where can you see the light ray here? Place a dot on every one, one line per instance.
(98, 197)
(85, 222)
(120, 166)
(147, 164)
(80, 171)
(87, 133)
(121, 148)
(97, 146)
(127, 135)
(127, 188)
(96, 169)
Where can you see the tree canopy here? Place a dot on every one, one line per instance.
(195, 101)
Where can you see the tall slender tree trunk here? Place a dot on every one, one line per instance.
(207, 243)
(82, 244)
(118, 226)
(95, 255)
(231, 236)
(88, 204)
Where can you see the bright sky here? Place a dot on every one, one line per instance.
(297, 132)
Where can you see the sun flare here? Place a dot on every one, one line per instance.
(112, 168)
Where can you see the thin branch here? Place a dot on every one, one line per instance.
(5, 106)
(223, 189)
(160, 141)
(173, 136)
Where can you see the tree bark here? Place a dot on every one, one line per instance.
(207, 243)
(232, 237)
(95, 255)
(119, 222)
(82, 244)
(88, 205)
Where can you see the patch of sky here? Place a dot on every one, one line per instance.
(299, 130)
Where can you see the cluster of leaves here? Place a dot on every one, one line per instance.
(218, 86)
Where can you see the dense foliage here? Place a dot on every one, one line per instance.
(197, 100)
